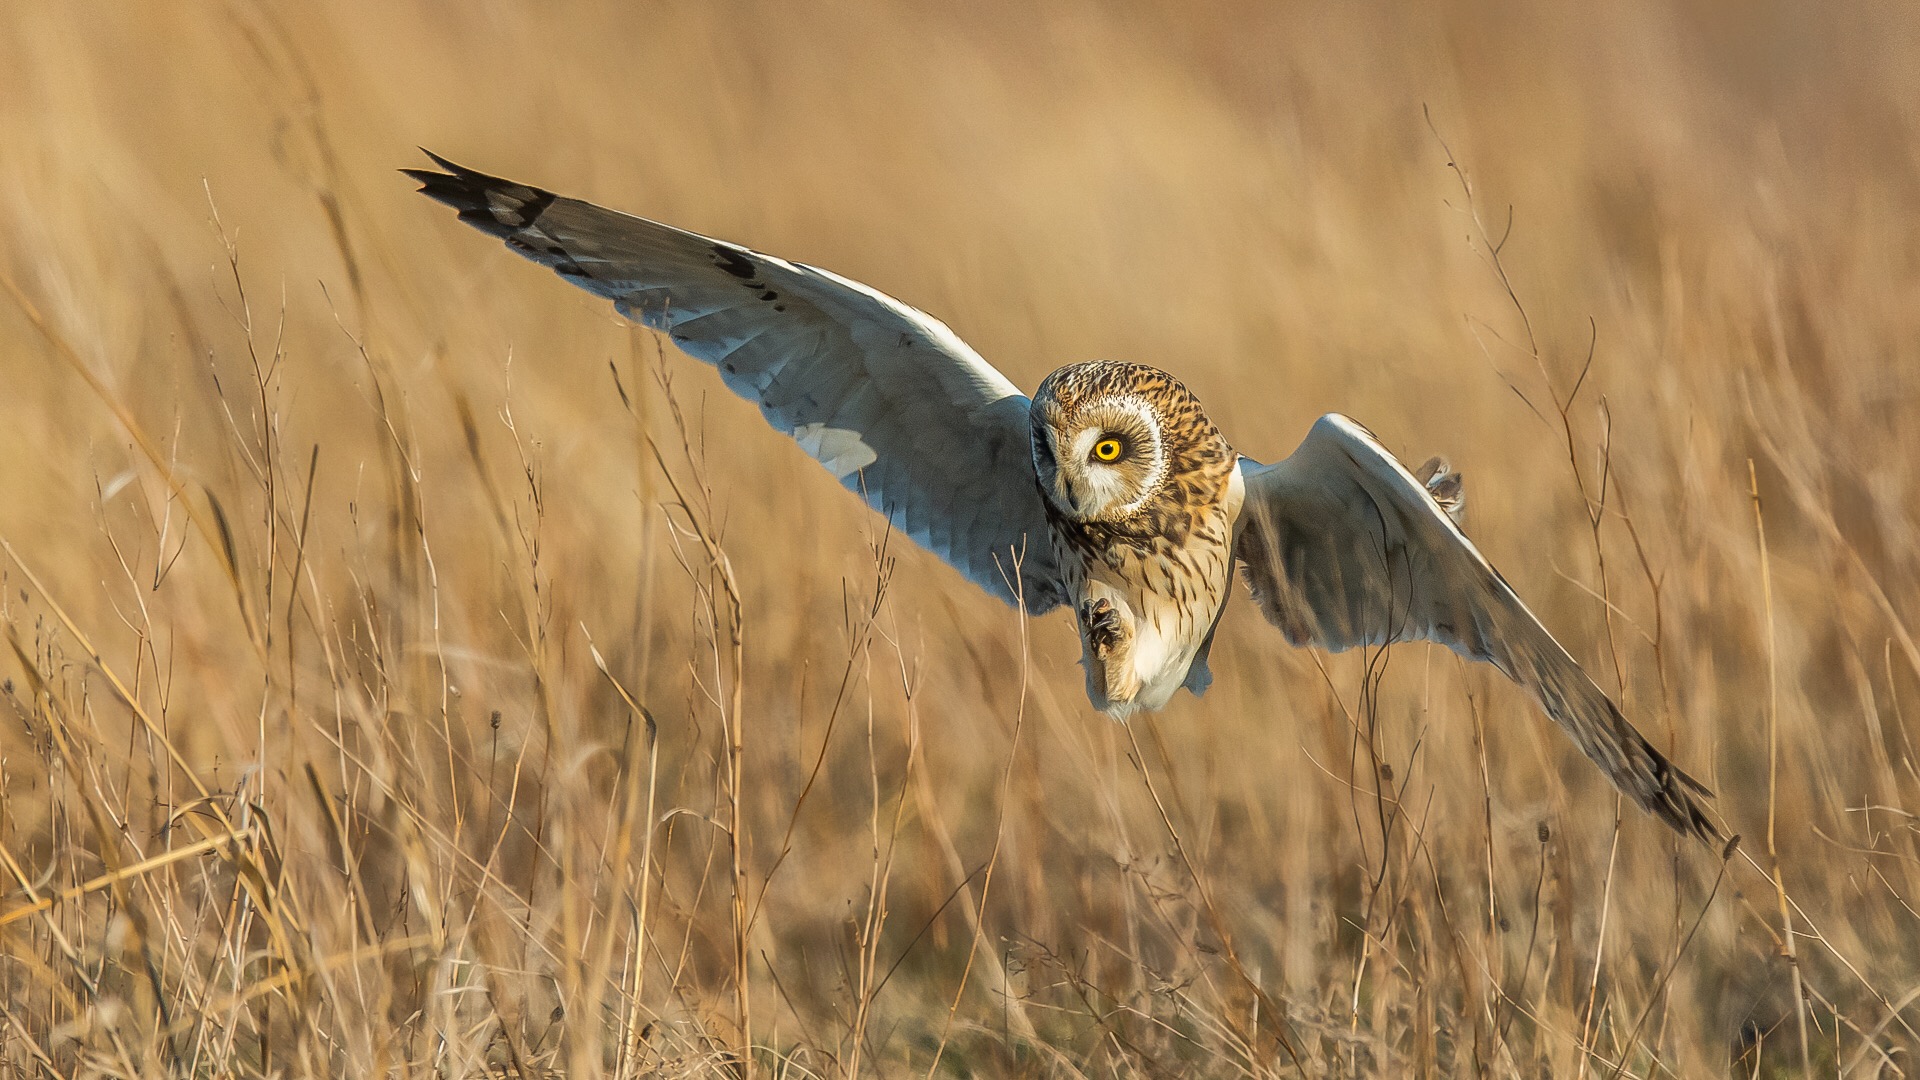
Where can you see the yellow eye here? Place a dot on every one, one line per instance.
(1107, 450)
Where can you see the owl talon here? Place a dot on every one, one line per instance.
(1445, 485)
(1106, 629)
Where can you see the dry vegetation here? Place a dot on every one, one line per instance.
(344, 552)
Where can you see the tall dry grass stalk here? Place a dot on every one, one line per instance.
(414, 670)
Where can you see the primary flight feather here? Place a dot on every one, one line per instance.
(1109, 490)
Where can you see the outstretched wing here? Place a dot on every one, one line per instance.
(892, 402)
(1343, 547)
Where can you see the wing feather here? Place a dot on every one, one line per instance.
(1343, 547)
(886, 397)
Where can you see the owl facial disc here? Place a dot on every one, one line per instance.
(1108, 459)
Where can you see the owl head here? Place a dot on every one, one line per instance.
(1110, 437)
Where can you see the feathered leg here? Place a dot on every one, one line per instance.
(1106, 634)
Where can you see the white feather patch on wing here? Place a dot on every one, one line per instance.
(841, 451)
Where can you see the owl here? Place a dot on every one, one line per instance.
(1108, 492)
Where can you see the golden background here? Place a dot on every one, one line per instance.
(343, 497)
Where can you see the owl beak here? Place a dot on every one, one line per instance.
(1070, 494)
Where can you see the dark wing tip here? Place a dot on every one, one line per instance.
(1674, 801)
(1681, 811)
(487, 203)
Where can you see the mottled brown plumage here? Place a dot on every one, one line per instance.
(1149, 565)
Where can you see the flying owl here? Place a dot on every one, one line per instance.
(1109, 491)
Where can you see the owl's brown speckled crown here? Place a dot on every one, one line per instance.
(1191, 437)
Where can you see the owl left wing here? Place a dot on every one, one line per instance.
(1343, 547)
(889, 399)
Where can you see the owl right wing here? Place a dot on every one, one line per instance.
(1342, 546)
(889, 399)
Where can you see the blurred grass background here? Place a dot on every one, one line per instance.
(318, 506)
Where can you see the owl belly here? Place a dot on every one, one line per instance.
(1164, 644)
(1168, 597)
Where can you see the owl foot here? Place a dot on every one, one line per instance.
(1108, 632)
(1445, 486)
(1107, 629)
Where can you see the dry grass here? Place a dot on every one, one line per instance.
(343, 548)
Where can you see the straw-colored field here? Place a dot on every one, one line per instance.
(342, 547)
